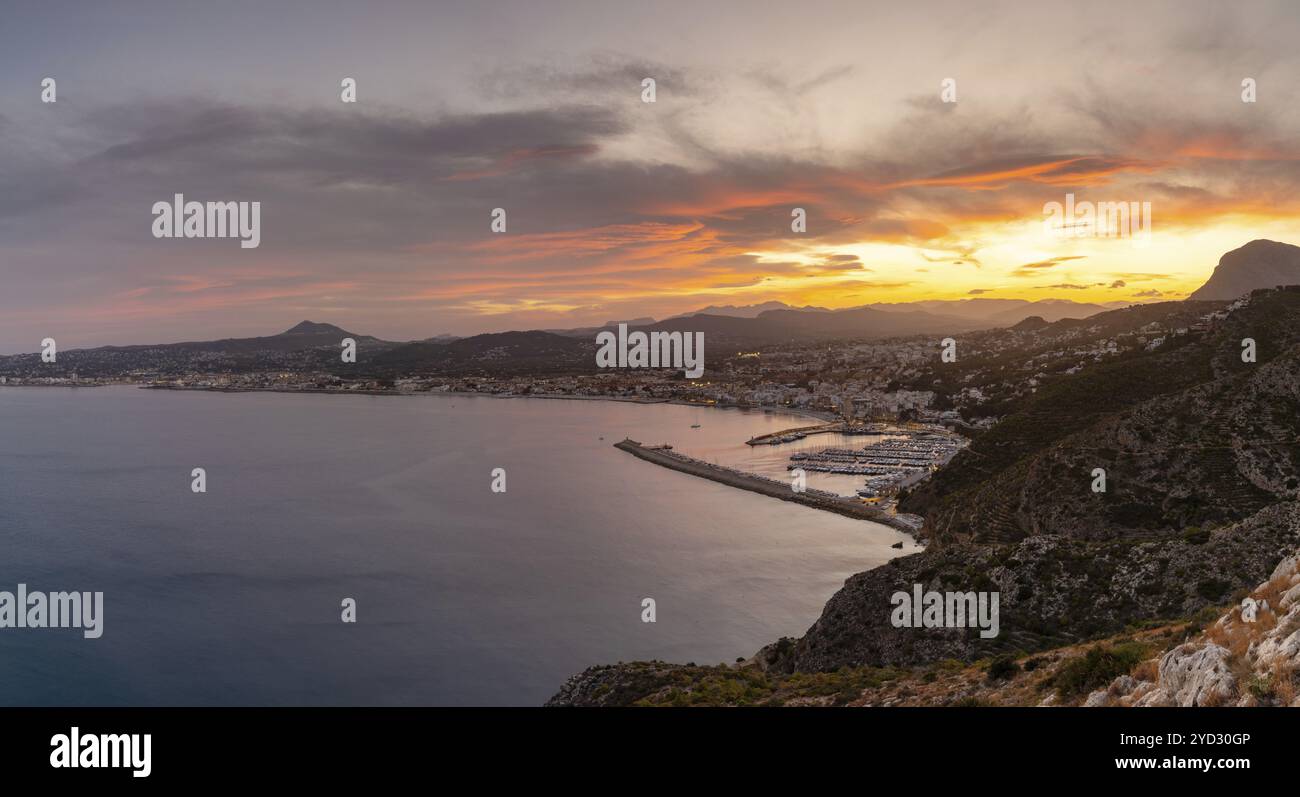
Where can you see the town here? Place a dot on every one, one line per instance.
(889, 380)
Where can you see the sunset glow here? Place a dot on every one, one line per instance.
(376, 215)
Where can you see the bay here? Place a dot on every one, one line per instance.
(464, 596)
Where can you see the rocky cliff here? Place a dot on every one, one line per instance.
(1258, 264)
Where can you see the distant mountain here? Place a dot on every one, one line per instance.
(1258, 264)
(304, 335)
(308, 328)
(861, 322)
(306, 346)
(499, 352)
(749, 310)
(787, 325)
(1031, 324)
(1002, 312)
(778, 322)
(590, 332)
(1053, 310)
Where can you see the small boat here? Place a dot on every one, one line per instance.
(695, 426)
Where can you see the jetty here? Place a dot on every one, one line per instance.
(774, 488)
(791, 435)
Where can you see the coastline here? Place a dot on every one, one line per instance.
(820, 416)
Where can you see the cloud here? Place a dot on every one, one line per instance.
(1029, 269)
(604, 74)
(611, 202)
(1141, 277)
(1056, 170)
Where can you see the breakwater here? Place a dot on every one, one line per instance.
(818, 499)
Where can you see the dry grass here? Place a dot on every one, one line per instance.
(1148, 670)
(1271, 592)
(1285, 677)
(1236, 636)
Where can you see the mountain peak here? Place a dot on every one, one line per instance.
(1030, 324)
(1259, 264)
(313, 328)
(1263, 243)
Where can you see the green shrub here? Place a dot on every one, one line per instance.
(1212, 588)
(1003, 668)
(1261, 687)
(1097, 668)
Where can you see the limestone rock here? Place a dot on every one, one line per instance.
(1198, 675)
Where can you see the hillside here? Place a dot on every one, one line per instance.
(306, 346)
(497, 353)
(1014, 455)
(1194, 442)
(302, 336)
(1202, 457)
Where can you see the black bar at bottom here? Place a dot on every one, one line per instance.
(332, 746)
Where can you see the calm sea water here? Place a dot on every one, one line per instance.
(463, 596)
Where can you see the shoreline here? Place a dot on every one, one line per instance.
(813, 414)
(769, 487)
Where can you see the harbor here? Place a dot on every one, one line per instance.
(899, 461)
(665, 456)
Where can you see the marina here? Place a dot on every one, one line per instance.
(901, 460)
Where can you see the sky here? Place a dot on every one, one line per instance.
(376, 215)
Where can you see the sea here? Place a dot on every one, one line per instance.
(461, 595)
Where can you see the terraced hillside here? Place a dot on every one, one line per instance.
(1201, 453)
(1177, 430)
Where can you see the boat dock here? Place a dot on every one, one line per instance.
(889, 465)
